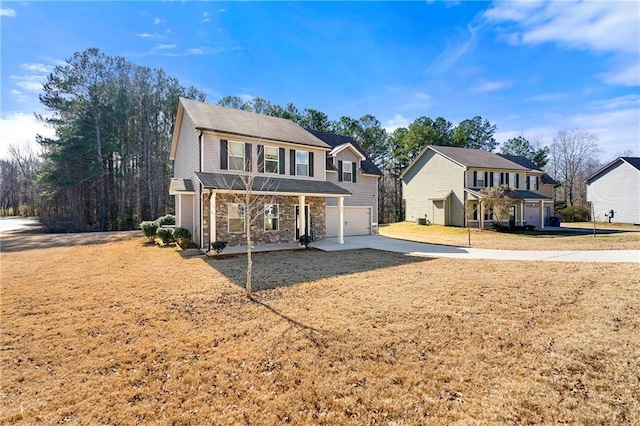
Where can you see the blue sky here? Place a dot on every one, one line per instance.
(531, 68)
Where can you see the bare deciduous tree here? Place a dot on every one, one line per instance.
(572, 156)
(501, 199)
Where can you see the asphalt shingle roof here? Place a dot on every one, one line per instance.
(634, 161)
(234, 121)
(525, 162)
(268, 184)
(334, 140)
(476, 158)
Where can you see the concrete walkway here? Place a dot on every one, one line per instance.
(434, 250)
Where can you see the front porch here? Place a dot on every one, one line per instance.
(529, 209)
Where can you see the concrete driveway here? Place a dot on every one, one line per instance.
(378, 242)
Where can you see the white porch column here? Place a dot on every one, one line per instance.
(522, 213)
(212, 219)
(481, 213)
(541, 214)
(340, 220)
(302, 220)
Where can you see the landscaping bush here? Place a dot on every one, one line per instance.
(574, 214)
(218, 246)
(167, 219)
(182, 236)
(165, 235)
(149, 228)
(305, 240)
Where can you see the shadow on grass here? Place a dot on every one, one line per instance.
(285, 268)
(22, 241)
(308, 331)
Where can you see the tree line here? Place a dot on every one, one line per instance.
(108, 168)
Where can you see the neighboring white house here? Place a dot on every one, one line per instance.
(616, 188)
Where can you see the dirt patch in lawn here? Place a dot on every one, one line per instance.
(612, 238)
(119, 332)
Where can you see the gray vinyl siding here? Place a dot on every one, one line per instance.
(618, 189)
(211, 156)
(364, 191)
(187, 160)
(186, 213)
(433, 173)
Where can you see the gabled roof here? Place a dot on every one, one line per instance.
(525, 162)
(217, 118)
(334, 141)
(265, 184)
(468, 157)
(633, 161)
(476, 158)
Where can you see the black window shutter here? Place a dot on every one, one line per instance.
(486, 179)
(224, 148)
(501, 178)
(491, 179)
(475, 178)
(339, 170)
(292, 162)
(517, 180)
(311, 164)
(247, 157)
(506, 179)
(528, 180)
(353, 174)
(261, 158)
(281, 159)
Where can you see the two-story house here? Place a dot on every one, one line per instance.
(444, 185)
(349, 167)
(221, 154)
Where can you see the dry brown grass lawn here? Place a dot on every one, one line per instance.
(115, 331)
(624, 238)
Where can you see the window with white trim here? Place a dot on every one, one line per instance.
(347, 172)
(480, 180)
(236, 156)
(271, 217)
(271, 159)
(236, 215)
(302, 163)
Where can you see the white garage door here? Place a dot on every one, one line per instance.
(532, 214)
(357, 221)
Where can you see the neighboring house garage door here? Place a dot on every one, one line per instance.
(357, 221)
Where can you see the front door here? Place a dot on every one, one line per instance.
(306, 215)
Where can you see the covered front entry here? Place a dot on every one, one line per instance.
(357, 220)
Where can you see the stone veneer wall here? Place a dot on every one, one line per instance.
(286, 220)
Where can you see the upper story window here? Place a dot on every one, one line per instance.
(236, 156)
(271, 159)
(533, 183)
(347, 171)
(480, 181)
(302, 163)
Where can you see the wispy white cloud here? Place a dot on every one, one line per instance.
(546, 97)
(491, 86)
(453, 52)
(600, 27)
(614, 121)
(397, 121)
(33, 77)
(150, 36)
(20, 129)
(195, 51)
(8, 12)
(158, 21)
(166, 46)
(422, 96)
(205, 17)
